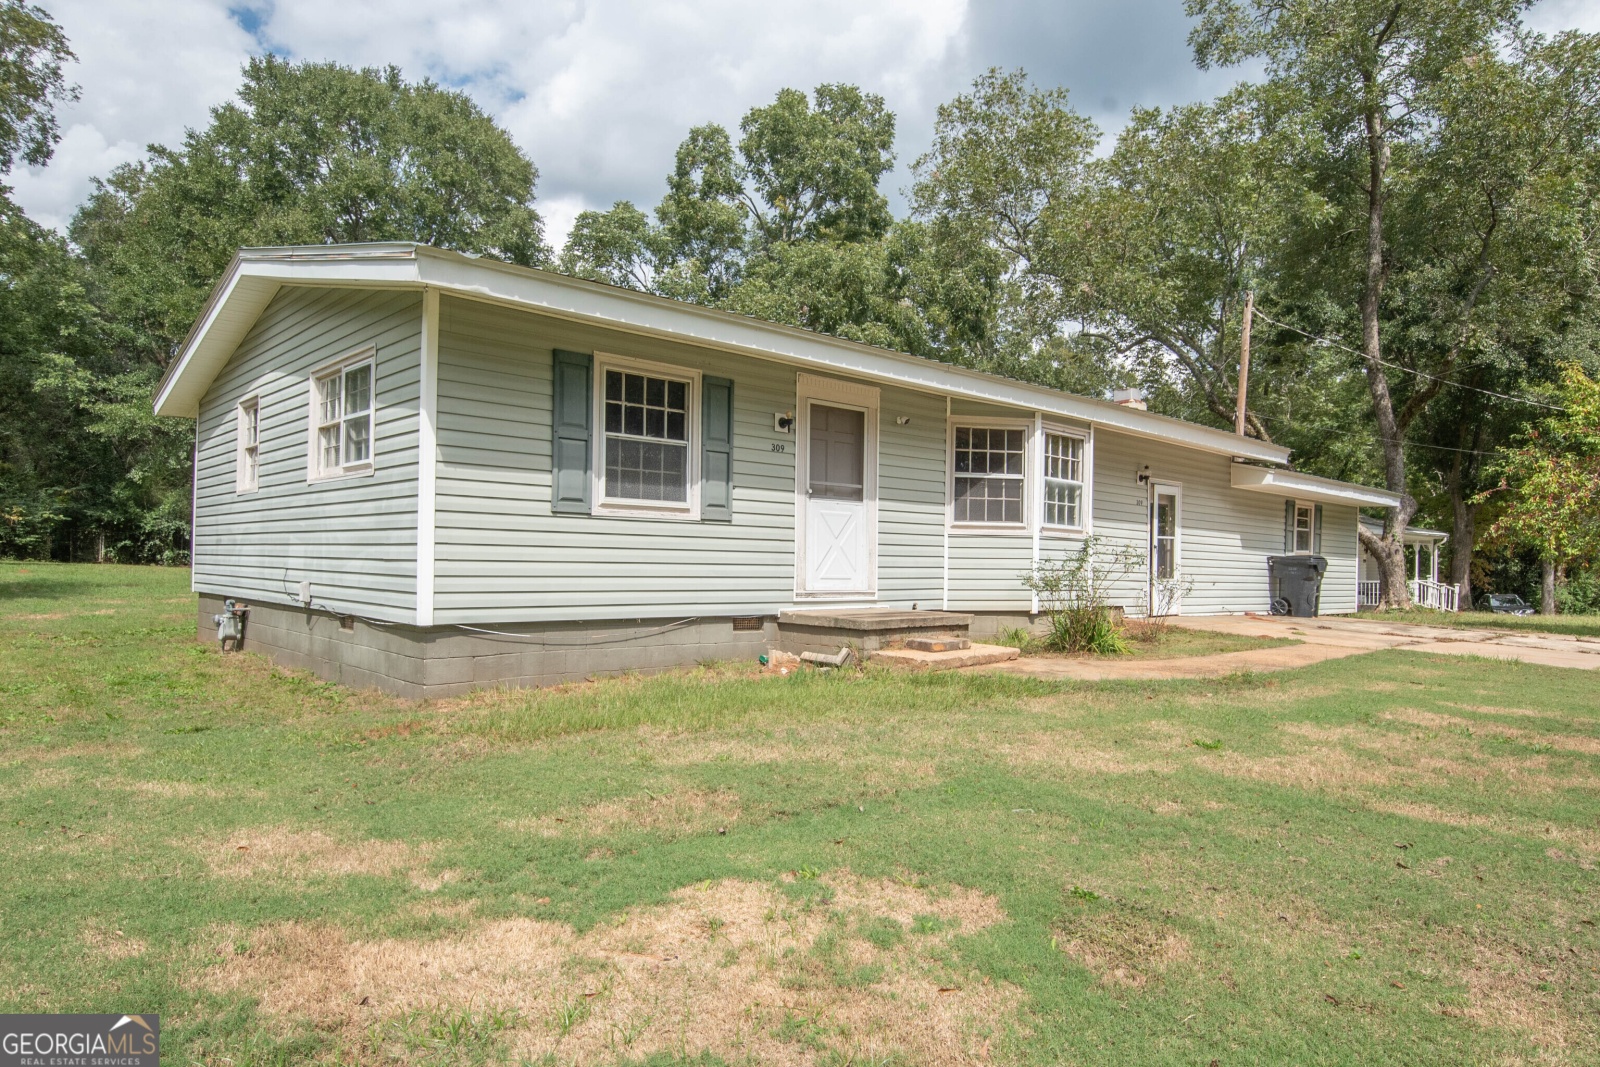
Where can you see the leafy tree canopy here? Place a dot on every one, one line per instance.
(309, 153)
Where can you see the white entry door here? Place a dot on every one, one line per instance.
(838, 527)
(1166, 549)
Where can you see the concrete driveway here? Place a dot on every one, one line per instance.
(1328, 637)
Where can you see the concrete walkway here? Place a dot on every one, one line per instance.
(1328, 637)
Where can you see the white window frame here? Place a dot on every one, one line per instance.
(1086, 485)
(688, 511)
(366, 355)
(1310, 509)
(247, 454)
(1027, 477)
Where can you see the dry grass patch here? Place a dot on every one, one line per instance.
(1123, 948)
(110, 944)
(298, 855)
(736, 968)
(1579, 838)
(1508, 991)
(668, 815)
(1072, 749)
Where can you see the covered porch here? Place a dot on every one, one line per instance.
(1422, 564)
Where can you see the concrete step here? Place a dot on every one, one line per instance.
(937, 643)
(866, 629)
(973, 656)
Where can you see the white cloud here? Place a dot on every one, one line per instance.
(147, 71)
(600, 92)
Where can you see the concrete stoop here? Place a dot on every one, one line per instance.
(826, 630)
(971, 656)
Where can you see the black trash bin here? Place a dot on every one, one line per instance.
(1296, 584)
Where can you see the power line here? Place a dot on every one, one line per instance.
(1409, 370)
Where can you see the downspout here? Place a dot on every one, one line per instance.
(427, 455)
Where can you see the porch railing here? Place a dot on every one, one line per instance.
(1435, 595)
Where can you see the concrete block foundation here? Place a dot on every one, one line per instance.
(445, 661)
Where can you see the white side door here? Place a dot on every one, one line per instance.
(1166, 549)
(838, 535)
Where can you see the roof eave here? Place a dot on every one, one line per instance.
(409, 265)
(1299, 485)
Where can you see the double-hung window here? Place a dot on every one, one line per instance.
(989, 479)
(1304, 528)
(1063, 480)
(247, 459)
(341, 418)
(648, 449)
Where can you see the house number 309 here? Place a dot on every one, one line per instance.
(779, 447)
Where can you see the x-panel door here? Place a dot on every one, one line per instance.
(839, 539)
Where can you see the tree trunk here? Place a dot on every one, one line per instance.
(1389, 550)
(1547, 587)
(1463, 537)
(100, 546)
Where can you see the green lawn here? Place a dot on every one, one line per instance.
(1388, 859)
(1574, 625)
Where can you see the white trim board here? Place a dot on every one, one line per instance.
(428, 458)
(1300, 486)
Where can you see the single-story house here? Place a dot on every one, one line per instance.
(426, 471)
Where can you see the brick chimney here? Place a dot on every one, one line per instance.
(1129, 398)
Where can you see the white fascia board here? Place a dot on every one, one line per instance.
(641, 313)
(1415, 535)
(577, 300)
(249, 285)
(1287, 483)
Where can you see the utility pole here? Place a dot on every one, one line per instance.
(1244, 360)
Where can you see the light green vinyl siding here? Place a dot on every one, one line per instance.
(353, 539)
(1342, 547)
(1226, 536)
(503, 555)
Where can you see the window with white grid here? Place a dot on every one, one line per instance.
(1063, 480)
(247, 461)
(648, 435)
(989, 486)
(342, 406)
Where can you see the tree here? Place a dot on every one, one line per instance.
(1183, 219)
(310, 153)
(1412, 225)
(791, 227)
(33, 51)
(1550, 482)
(1007, 163)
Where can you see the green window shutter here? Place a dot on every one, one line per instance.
(716, 450)
(1288, 527)
(1316, 532)
(573, 410)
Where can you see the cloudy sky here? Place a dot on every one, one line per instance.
(599, 92)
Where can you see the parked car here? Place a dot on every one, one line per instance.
(1504, 604)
